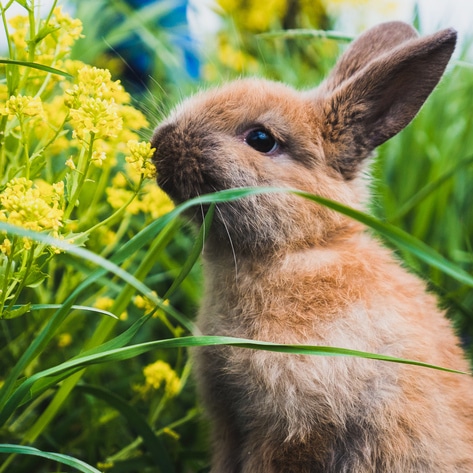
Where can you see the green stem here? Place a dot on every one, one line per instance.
(5, 26)
(98, 193)
(24, 270)
(5, 291)
(115, 215)
(82, 170)
(32, 42)
(3, 154)
(24, 143)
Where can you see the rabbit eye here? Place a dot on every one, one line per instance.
(261, 140)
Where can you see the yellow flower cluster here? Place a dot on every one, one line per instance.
(21, 107)
(159, 373)
(139, 159)
(99, 107)
(144, 303)
(147, 305)
(96, 116)
(34, 207)
(69, 29)
(93, 106)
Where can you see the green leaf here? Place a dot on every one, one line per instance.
(35, 277)
(16, 311)
(45, 31)
(35, 65)
(59, 457)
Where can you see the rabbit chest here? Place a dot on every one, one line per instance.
(293, 398)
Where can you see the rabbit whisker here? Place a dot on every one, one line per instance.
(235, 261)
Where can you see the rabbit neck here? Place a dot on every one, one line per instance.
(302, 292)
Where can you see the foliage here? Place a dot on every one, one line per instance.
(74, 168)
(98, 281)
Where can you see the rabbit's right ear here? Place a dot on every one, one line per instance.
(362, 107)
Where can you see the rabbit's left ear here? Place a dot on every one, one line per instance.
(366, 109)
(373, 43)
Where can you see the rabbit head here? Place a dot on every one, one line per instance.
(254, 132)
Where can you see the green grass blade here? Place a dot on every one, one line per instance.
(307, 33)
(397, 236)
(22, 393)
(58, 457)
(431, 187)
(117, 342)
(73, 307)
(35, 65)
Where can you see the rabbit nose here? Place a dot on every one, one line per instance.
(179, 159)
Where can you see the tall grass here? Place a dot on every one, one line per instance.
(108, 388)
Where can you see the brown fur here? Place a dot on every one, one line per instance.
(282, 269)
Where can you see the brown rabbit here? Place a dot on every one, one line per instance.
(280, 268)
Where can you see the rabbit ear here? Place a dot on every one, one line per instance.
(370, 45)
(380, 99)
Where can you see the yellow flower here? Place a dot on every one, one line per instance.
(139, 158)
(97, 83)
(64, 340)
(159, 373)
(96, 116)
(23, 106)
(98, 157)
(251, 15)
(35, 207)
(70, 163)
(155, 202)
(107, 236)
(133, 119)
(5, 247)
(71, 28)
(144, 303)
(104, 303)
(18, 37)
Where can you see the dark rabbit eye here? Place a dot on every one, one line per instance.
(261, 140)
